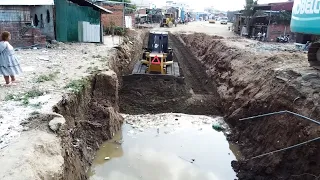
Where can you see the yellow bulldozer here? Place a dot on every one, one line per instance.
(157, 58)
(168, 20)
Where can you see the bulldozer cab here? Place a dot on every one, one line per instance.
(167, 20)
(168, 15)
(157, 57)
(158, 42)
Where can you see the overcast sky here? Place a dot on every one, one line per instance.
(200, 4)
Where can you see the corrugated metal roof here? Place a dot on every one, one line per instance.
(26, 2)
(90, 4)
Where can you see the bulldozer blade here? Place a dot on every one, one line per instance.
(172, 70)
(152, 77)
(139, 73)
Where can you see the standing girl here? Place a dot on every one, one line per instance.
(9, 65)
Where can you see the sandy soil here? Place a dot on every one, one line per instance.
(42, 157)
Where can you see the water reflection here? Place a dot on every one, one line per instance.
(197, 153)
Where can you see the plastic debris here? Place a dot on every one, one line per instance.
(107, 158)
(217, 127)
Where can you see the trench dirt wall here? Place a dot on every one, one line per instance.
(251, 84)
(92, 114)
(91, 118)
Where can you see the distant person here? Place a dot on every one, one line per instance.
(9, 65)
(264, 36)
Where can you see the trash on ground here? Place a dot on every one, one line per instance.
(217, 127)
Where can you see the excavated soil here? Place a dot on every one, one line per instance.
(92, 118)
(92, 115)
(251, 83)
(191, 93)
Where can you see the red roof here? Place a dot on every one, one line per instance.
(287, 6)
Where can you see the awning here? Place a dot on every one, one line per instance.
(89, 4)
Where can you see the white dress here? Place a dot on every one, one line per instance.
(9, 64)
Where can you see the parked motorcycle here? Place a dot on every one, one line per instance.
(283, 39)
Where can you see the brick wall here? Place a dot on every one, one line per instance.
(116, 16)
(277, 30)
(22, 36)
(142, 11)
(15, 19)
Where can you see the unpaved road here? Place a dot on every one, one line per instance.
(200, 27)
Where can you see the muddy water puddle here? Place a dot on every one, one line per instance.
(166, 147)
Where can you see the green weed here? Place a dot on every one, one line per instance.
(77, 85)
(49, 77)
(24, 97)
(92, 69)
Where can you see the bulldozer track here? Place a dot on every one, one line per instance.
(194, 72)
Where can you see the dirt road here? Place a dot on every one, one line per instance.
(200, 27)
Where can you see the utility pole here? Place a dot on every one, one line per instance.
(124, 18)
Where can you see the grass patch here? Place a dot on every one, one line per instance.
(92, 69)
(49, 77)
(76, 86)
(24, 97)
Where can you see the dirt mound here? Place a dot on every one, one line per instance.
(250, 84)
(129, 52)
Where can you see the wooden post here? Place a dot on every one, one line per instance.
(101, 30)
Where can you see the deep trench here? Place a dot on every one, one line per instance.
(92, 115)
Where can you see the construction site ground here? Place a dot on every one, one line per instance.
(224, 75)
